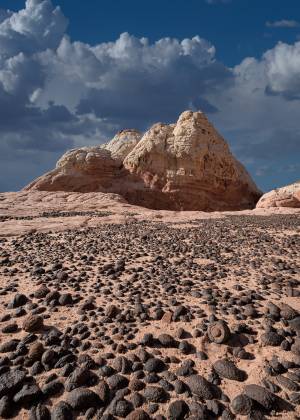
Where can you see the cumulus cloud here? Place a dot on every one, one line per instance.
(4, 14)
(284, 23)
(263, 128)
(282, 66)
(153, 80)
(37, 27)
(56, 94)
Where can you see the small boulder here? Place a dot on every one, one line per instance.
(200, 387)
(227, 369)
(33, 323)
(83, 398)
(261, 395)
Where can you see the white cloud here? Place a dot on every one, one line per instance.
(20, 75)
(35, 28)
(263, 127)
(4, 14)
(284, 23)
(131, 79)
(283, 70)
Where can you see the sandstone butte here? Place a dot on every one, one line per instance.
(182, 166)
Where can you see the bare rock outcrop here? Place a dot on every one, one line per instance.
(123, 143)
(288, 196)
(188, 166)
(90, 169)
(182, 166)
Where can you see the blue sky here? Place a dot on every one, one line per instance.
(236, 60)
(236, 28)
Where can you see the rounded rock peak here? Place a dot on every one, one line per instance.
(123, 143)
(83, 156)
(191, 115)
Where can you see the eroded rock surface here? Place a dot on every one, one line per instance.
(288, 196)
(182, 166)
(123, 143)
(188, 166)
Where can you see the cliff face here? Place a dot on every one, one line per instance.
(182, 166)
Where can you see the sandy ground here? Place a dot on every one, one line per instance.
(218, 266)
(22, 212)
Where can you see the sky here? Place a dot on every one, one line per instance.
(73, 73)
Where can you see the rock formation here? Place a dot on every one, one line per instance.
(189, 165)
(123, 143)
(288, 196)
(182, 166)
(90, 169)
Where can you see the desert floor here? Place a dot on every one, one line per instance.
(115, 309)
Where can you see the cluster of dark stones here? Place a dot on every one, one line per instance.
(50, 214)
(5, 218)
(111, 285)
(54, 214)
